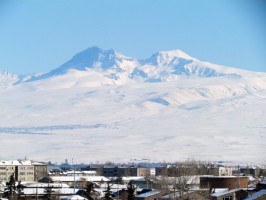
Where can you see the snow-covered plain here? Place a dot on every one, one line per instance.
(103, 106)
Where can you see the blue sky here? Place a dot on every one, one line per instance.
(37, 36)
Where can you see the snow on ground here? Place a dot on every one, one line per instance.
(217, 118)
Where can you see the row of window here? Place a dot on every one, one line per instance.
(6, 168)
(24, 173)
(12, 172)
(24, 179)
(22, 167)
(26, 167)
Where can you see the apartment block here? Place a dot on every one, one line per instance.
(23, 170)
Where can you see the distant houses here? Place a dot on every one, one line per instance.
(177, 181)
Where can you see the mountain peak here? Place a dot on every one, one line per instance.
(167, 57)
(88, 58)
(176, 53)
(92, 53)
(98, 52)
(163, 65)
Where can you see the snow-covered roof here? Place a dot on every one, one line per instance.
(73, 172)
(89, 172)
(38, 163)
(218, 194)
(133, 178)
(80, 172)
(190, 179)
(170, 196)
(114, 186)
(173, 195)
(147, 194)
(212, 176)
(44, 185)
(72, 178)
(220, 190)
(19, 162)
(31, 191)
(73, 197)
(256, 195)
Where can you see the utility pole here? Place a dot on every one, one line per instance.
(238, 179)
(117, 191)
(37, 190)
(74, 176)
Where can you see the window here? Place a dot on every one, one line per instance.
(228, 198)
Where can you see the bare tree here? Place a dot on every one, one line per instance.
(178, 179)
(185, 177)
(162, 182)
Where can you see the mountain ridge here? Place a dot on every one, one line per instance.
(161, 66)
(166, 107)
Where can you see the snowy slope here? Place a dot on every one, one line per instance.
(7, 79)
(101, 105)
(111, 67)
(107, 63)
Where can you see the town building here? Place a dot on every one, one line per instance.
(80, 173)
(229, 182)
(220, 171)
(73, 180)
(261, 185)
(23, 170)
(151, 195)
(120, 171)
(235, 194)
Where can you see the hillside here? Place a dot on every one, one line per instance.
(102, 105)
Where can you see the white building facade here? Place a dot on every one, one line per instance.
(23, 170)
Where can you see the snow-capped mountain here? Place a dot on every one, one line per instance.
(91, 58)
(108, 106)
(116, 68)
